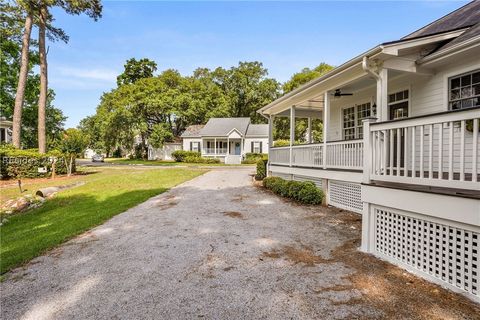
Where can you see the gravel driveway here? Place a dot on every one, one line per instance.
(217, 247)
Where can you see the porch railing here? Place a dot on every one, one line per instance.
(437, 150)
(213, 151)
(339, 155)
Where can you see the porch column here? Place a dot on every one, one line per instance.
(326, 117)
(292, 132)
(309, 130)
(382, 95)
(367, 149)
(271, 119)
(228, 145)
(215, 146)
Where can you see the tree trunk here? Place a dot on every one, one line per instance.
(70, 166)
(22, 82)
(42, 100)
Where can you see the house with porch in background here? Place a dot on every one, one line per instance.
(5, 130)
(400, 147)
(227, 139)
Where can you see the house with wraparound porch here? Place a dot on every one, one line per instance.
(400, 147)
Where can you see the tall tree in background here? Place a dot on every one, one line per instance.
(22, 77)
(136, 70)
(91, 8)
(305, 76)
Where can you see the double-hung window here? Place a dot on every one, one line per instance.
(353, 120)
(464, 91)
(256, 146)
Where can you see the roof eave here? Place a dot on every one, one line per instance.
(467, 44)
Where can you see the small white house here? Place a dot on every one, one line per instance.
(228, 139)
(165, 152)
(5, 130)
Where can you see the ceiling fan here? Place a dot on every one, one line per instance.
(338, 93)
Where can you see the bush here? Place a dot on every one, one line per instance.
(18, 164)
(196, 159)
(252, 157)
(261, 169)
(180, 155)
(305, 192)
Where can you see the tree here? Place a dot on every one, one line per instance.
(24, 68)
(135, 70)
(305, 76)
(159, 135)
(91, 8)
(12, 30)
(74, 142)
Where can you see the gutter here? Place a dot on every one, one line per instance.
(318, 80)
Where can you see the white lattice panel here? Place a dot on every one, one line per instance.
(285, 176)
(317, 181)
(447, 253)
(345, 195)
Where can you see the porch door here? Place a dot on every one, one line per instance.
(398, 111)
(237, 148)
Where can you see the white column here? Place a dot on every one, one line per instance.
(367, 149)
(382, 95)
(292, 132)
(271, 120)
(228, 145)
(309, 130)
(326, 117)
(215, 146)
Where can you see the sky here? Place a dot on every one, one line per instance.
(284, 36)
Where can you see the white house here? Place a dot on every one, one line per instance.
(401, 147)
(165, 152)
(228, 139)
(5, 130)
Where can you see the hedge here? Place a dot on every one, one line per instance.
(15, 163)
(197, 159)
(302, 191)
(252, 157)
(261, 169)
(180, 155)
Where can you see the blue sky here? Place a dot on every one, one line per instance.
(285, 36)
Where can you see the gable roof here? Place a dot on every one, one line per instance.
(221, 127)
(255, 130)
(192, 131)
(463, 17)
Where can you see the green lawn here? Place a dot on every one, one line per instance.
(167, 163)
(107, 192)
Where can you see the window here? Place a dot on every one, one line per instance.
(353, 120)
(464, 91)
(398, 105)
(256, 146)
(195, 146)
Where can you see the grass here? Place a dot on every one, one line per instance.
(106, 193)
(167, 163)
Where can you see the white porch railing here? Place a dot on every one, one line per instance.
(340, 155)
(345, 154)
(213, 151)
(438, 150)
(307, 155)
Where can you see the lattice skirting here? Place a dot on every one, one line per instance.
(317, 181)
(345, 195)
(438, 249)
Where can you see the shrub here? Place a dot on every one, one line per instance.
(197, 159)
(251, 158)
(180, 155)
(15, 163)
(261, 169)
(305, 192)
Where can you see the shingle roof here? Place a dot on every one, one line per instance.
(192, 131)
(221, 127)
(464, 17)
(255, 130)
(469, 34)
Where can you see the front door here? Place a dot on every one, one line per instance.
(237, 148)
(398, 111)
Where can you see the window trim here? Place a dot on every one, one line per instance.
(400, 101)
(446, 84)
(449, 77)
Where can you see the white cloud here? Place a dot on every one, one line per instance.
(90, 74)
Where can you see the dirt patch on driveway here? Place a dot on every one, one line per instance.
(233, 214)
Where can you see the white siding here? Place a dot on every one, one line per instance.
(248, 144)
(186, 143)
